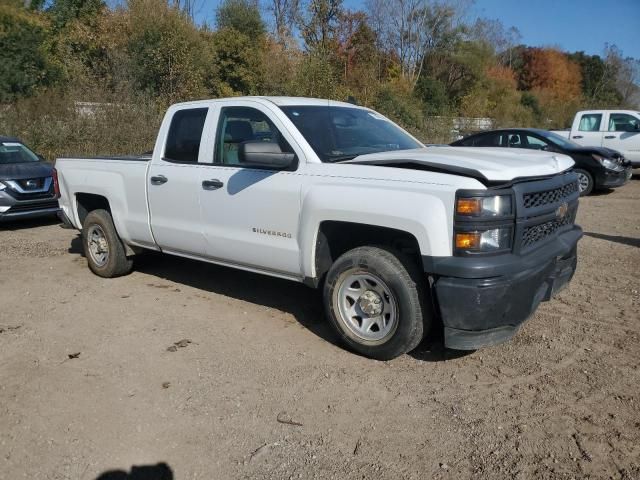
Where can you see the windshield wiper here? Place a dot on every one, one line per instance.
(341, 158)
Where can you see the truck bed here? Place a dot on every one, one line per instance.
(120, 179)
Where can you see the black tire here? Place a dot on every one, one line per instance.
(116, 262)
(407, 286)
(589, 187)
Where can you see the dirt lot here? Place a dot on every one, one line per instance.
(262, 391)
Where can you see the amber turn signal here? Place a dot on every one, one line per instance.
(469, 206)
(468, 240)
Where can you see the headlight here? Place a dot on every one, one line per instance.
(495, 206)
(492, 240)
(2, 186)
(608, 164)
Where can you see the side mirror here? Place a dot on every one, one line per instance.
(41, 158)
(264, 155)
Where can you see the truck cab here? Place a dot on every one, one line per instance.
(615, 129)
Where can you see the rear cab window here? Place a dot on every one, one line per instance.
(185, 135)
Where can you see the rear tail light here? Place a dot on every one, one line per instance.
(56, 185)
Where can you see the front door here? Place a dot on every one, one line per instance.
(250, 215)
(174, 186)
(623, 135)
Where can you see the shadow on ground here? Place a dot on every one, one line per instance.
(633, 242)
(161, 471)
(21, 224)
(601, 192)
(303, 303)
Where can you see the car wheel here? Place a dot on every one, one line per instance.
(585, 182)
(103, 248)
(374, 298)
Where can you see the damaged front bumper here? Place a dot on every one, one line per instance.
(484, 302)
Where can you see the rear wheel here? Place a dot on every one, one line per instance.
(374, 299)
(103, 248)
(585, 182)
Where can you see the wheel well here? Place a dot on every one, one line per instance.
(336, 238)
(87, 202)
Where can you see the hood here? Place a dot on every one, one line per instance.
(19, 171)
(486, 164)
(604, 151)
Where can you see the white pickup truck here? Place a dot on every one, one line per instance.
(399, 237)
(615, 129)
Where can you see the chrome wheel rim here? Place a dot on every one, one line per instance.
(97, 245)
(366, 306)
(583, 181)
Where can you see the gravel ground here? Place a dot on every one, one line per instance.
(198, 371)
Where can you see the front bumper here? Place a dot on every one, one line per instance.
(487, 301)
(611, 179)
(12, 209)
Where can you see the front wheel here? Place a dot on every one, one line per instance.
(585, 182)
(103, 248)
(374, 298)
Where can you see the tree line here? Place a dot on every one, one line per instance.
(420, 62)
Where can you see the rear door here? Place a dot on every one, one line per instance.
(588, 131)
(250, 216)
(174, 184)
(623, 134)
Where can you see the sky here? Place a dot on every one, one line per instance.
(572, 25)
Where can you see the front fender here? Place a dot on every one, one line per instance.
(425, 215)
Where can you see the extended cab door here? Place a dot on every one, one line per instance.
(173, 183)
(250, 215)
(624, 135)
(587, 128)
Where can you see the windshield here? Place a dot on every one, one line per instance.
(559, 140)
(342, 133)
(14, 152)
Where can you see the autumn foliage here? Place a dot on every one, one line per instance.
(550, 71)
(420, 62)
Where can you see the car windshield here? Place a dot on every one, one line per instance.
(342, 133)
(15, 152)
(559, 140)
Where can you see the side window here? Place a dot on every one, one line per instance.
(515, 141)
(244, 124)
(185, 132)
(590, 122)
(536, 143)
(622, 122)
(488, 140)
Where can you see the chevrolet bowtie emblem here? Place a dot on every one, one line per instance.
(562, 210)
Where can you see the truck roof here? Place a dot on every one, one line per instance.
(280, 101)
(617, 110)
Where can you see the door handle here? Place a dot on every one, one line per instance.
(212, 184)
(610, 136)
(159, 180)
(577, 136)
